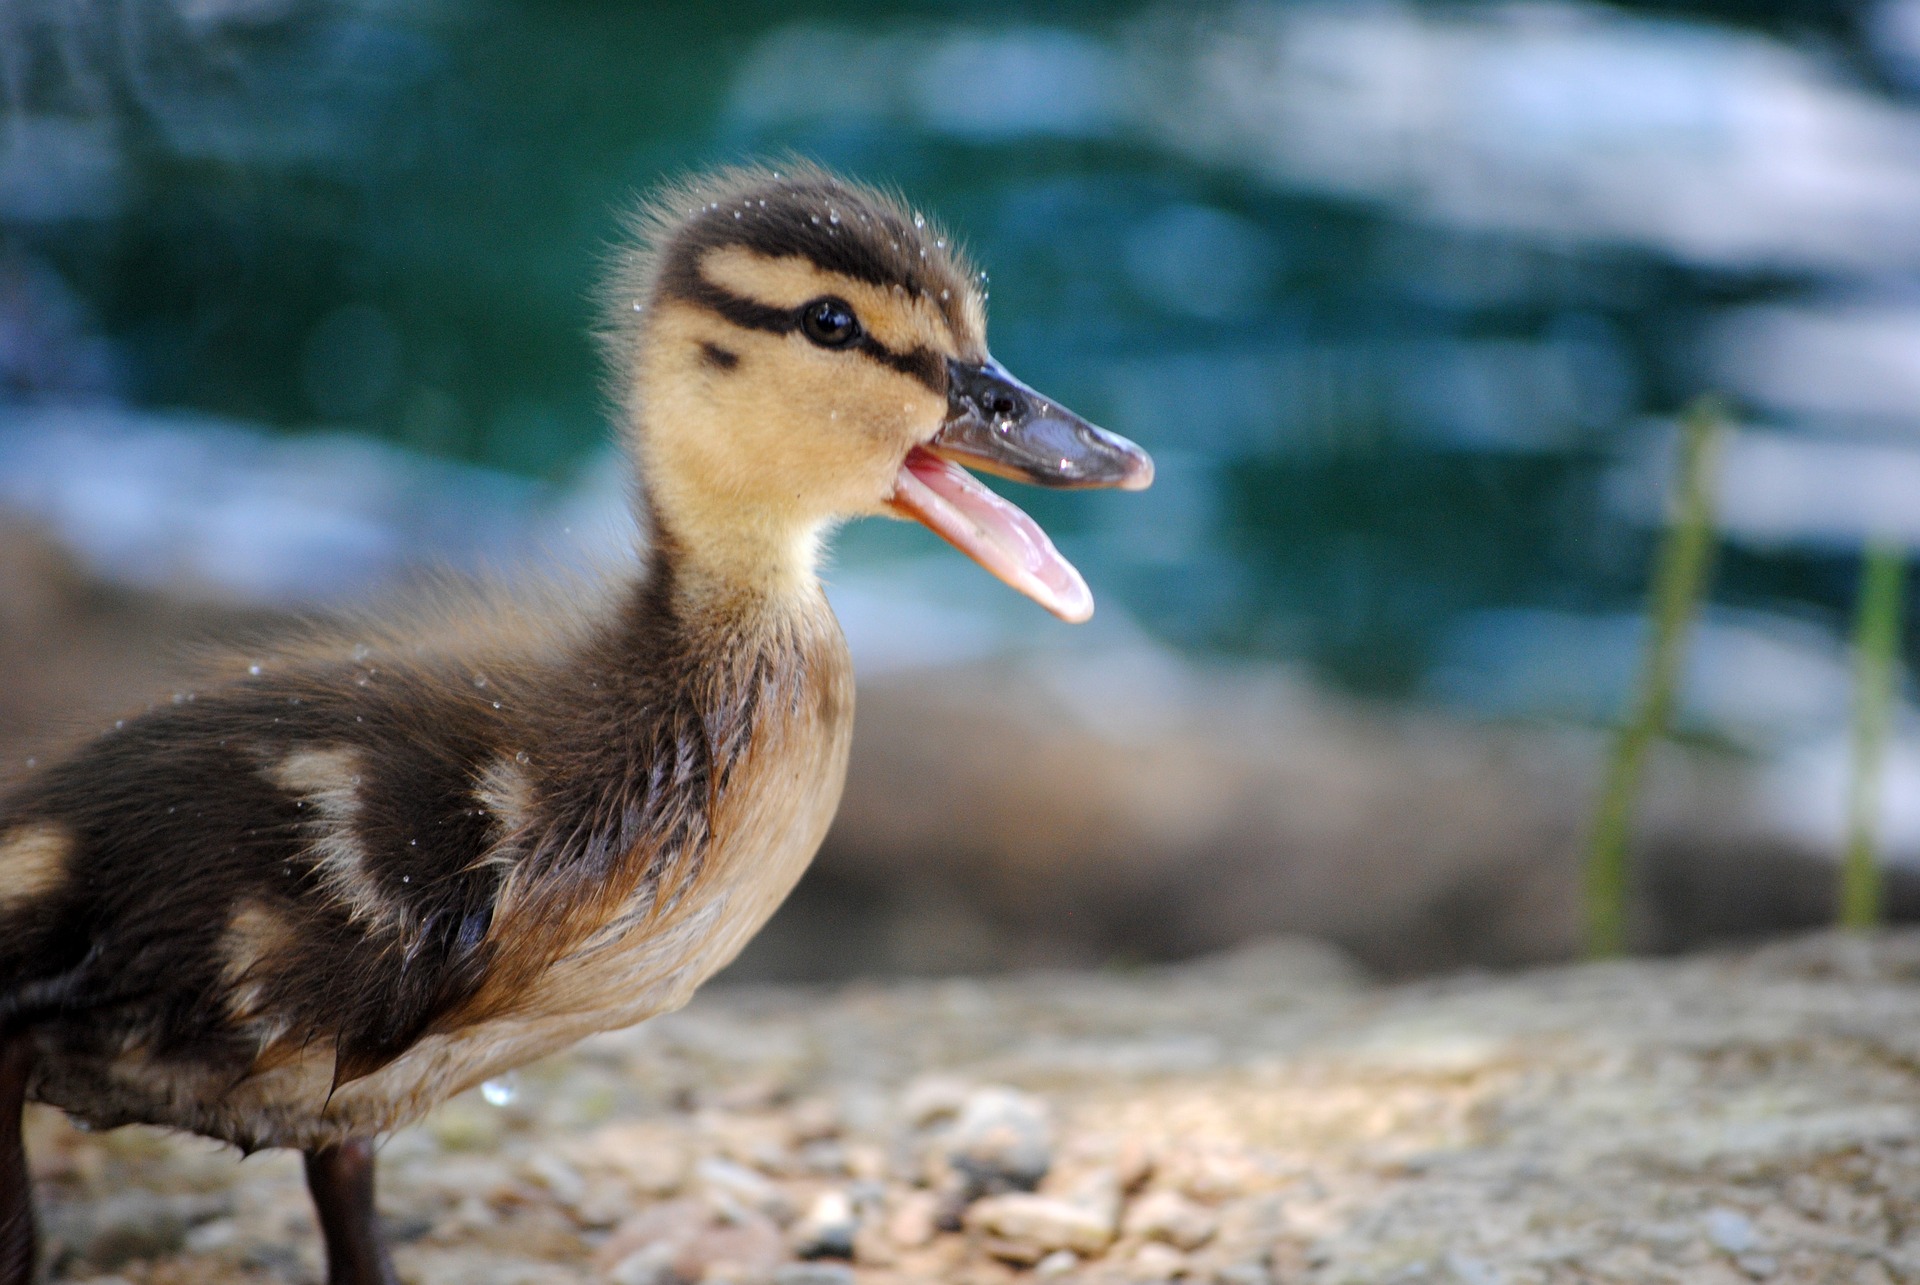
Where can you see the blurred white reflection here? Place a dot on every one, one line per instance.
(191, 503)
(1715, 146)
(1786, 489)
(1804, 793)
(1846, 359)
(1758, 680)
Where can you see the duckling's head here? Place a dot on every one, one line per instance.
(795, 350)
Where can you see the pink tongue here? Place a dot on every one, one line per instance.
(991, 531)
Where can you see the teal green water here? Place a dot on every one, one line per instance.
(1368, 423)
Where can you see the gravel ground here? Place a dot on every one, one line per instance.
(1265, 1116)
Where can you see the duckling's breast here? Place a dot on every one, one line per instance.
(653, 950)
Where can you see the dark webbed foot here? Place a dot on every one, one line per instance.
(16, 1189)
(341, 1180)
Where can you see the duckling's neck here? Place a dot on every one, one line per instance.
(747, 558)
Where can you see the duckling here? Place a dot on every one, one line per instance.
(383, 862)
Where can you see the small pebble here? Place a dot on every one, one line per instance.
(1026, 1228)
(1169, 1216)
(1058, 1263)
(1154, 1261)
(933, 1098)
(652, 1265)
(1003, 1141)
(814, 1274)
(1731, 1231)
(727, 1182)
(828, 1229)
(916, 1221)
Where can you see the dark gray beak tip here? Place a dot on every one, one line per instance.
(1137, 471)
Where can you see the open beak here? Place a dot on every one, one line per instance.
(998, 425)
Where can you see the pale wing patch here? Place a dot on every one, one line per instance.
(901, 321)
(256, 939)
(506, 792)
(327, 782)
(33, 862)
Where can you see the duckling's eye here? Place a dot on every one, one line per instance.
(830, 322)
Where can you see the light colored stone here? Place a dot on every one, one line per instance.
(814, 1274)
(730, 1185)
(931, 1099)
(1155, 1261)
(913, 1222)
(649, 1265)
(1169, 1216)
(749, 1250)
(1731, 1230)
(828, 1228)
(661, 1231)
(1026, 1228)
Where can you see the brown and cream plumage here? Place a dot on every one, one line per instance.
(371, 866)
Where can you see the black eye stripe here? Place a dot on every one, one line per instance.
(922, 363)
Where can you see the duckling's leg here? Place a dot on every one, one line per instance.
(341, 1180)
(16, 1189)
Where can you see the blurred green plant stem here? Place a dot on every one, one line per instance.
(1876, 690)
(1683, 565)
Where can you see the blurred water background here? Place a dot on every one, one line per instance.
(296, 294)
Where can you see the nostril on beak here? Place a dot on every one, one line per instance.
(1002, 406)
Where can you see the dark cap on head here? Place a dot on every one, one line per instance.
(801, 210)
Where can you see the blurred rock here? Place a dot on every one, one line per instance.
(133, 1225)
(814, 1274)
(643, 1248)
(1169, 1216)
(1002, 1141)
(1025, 1228)
(913, 1223)
(828, 1228)
(732, 1187)
(1155, 1261)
